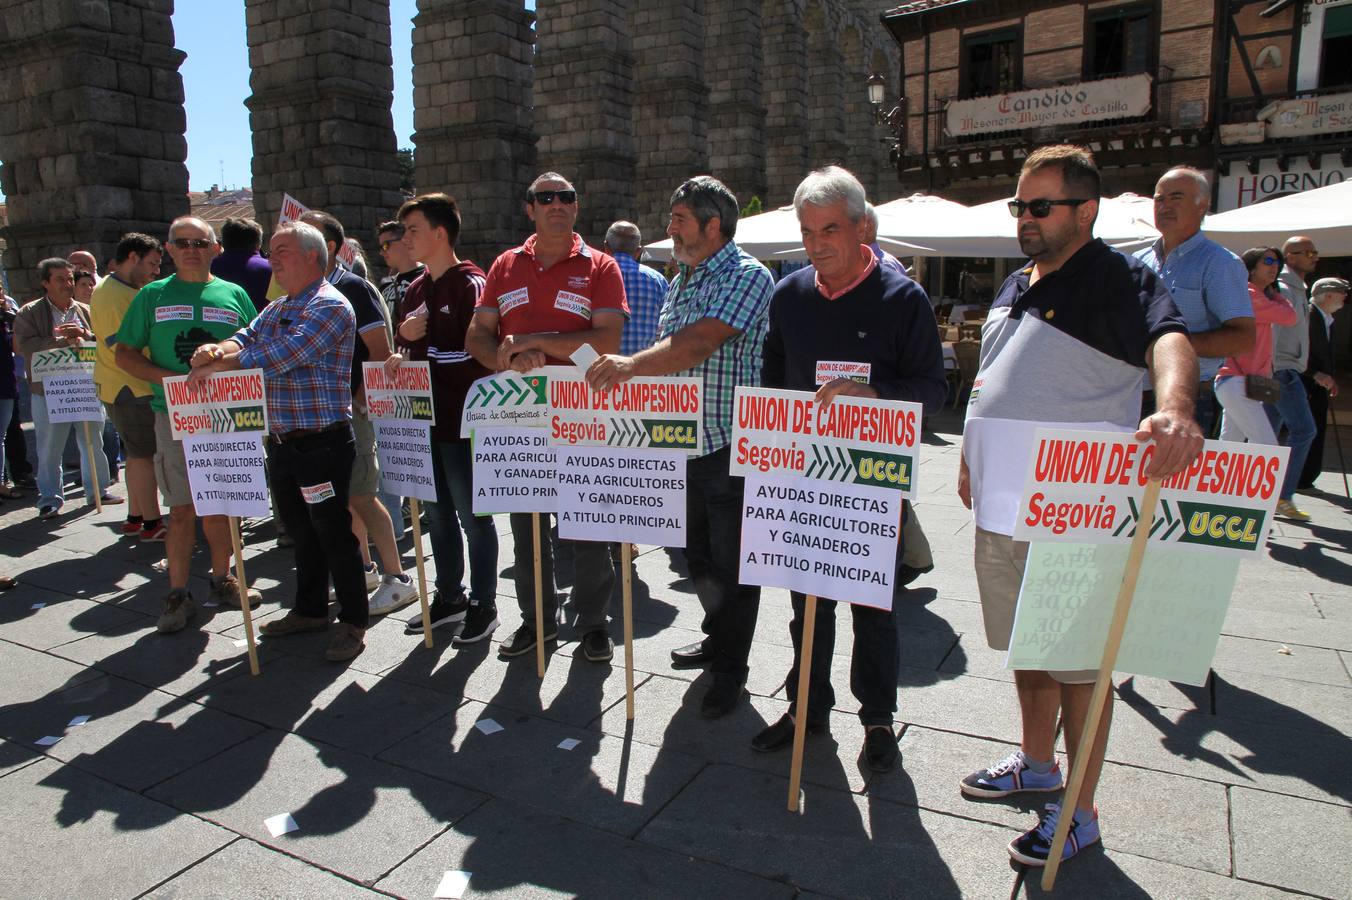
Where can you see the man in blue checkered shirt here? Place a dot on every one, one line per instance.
(644, 287)
(712, 327)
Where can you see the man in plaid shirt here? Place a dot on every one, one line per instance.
(712, 327)
(303, 343)
(644, 287)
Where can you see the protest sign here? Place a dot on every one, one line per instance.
(1086, 487)
(821, 538)
(404, 451)
(830, 370)
(1066, 605)
(656, 413)
(514, 471)
(72, 398)
(65, 361)
(293, 209)
(854, 440)
(406, 395)
(221, 421)
(226, 402)
(227, 474)
(614, 494)
(509, 400)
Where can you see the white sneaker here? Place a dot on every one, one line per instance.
(395, 592)
(372, 577)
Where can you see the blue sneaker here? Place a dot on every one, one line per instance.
(1010, 775)
(1033, 847)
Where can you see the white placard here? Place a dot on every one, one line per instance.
(68, 360)
(660, 413)
(404, 449)
(221, 403)
(614, 494)
(72, 398)
(510, 400)
(514, 471)
(834, 540)
(227, 474)
(408, 395)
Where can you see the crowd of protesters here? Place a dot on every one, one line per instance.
(1186, 340)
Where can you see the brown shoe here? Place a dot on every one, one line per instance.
(178, 609)
(226, 593)
(291, 623)
(347, 643)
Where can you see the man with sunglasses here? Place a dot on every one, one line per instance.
(1290, 358)
(1209, 284)
(540, 303)
(1068, 342)
(164, 325)
(404, 268)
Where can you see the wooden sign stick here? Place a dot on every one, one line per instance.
(539, 599)
(415, 512)
(627, 599)
(804, 679)
(1103, 685)
(243, 587)
(89, 447)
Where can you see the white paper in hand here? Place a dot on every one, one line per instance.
(583, 357)
(488, 726)
(281, 824)
(452, 886)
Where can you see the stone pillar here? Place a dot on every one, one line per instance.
(784, 50)
(584, 106)
(472, 79)
(91, 126)
(323, 83)
(733, 70)
(826, 101)
(670, 105)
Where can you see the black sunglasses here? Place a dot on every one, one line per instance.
(544, 198)
(385, 246)
(1040, 208)
(191, 243)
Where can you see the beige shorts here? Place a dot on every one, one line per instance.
(365, 479)
(171, 467)
(999, 573)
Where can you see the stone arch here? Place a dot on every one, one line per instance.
(784, 49)
(825, 110)
(735, 71)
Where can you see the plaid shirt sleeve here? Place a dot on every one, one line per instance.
(645, 289)
(321, 328)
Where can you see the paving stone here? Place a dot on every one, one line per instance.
(1233, 751)
(667, 715)
(1283, 703)
(839, 843)
(1120, 876)
(247, 869)
(329, 704)
(768, 663)
(1235, 654)
(26, 675)
(357, 816)
(516, 851)
(976, 706)
(61, 620)
(1178, 820)
(14, 756)
(1335, 607)
(606, 782)
(1292, 843)
(134, 737)
(1308, 631)
(182, 663)
(65, 830)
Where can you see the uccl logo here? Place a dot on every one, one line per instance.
(671, 433)
(1231, 527)
(882, 469)
(247, 418)
(421, 408)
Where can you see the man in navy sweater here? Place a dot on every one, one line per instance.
(846, 307)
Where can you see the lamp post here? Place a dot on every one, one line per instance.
(894, 119)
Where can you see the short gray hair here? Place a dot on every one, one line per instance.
(707, 197)
(192, 220)
(624, 237)
(1199, 178)
(310, 238)
(872, 215)
(828, 185)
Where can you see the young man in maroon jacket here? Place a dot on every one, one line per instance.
(439, 305)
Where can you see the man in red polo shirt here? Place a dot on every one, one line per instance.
(541, 302)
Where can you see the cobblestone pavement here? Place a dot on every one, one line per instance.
(164, 792)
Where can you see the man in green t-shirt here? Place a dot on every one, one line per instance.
(171, 318)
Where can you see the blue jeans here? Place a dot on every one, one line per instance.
(51, 441)
(451, 471)
(1293, 409)
(6, 410)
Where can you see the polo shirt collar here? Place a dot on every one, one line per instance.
(870, 263)
(1082, 258)
(1182, 249)
(579, 247)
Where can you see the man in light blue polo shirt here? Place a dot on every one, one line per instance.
(1209, 283)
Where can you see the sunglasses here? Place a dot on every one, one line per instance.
(1271, 260)
(544, 198)
(1040, 208)
(385, 246)
(191, 243)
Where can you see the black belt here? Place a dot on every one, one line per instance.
(296, 434)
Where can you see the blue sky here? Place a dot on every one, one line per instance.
(216, 82)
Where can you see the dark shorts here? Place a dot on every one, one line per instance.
(135, 423)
